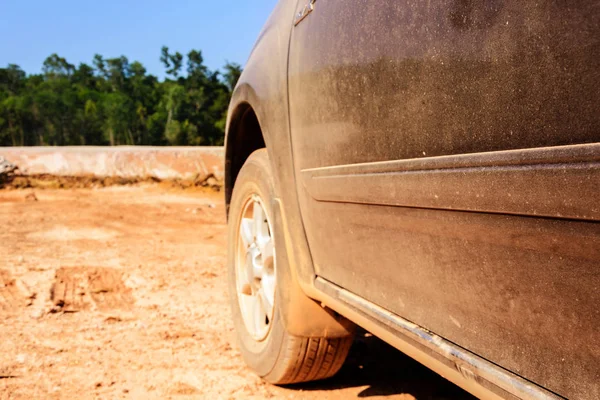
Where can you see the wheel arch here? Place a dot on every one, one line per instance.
(244, 136)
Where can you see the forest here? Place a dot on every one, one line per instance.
(116, 102)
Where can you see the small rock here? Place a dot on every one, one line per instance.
(31, 197)
(212, 182)
(56, 308)
(182, 388)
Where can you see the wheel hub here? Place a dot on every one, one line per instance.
(255, 269)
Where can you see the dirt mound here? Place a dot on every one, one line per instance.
(45, 181)
(7, 171)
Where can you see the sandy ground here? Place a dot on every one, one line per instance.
(120, 292)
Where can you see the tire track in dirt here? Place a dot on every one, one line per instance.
(83, 288)
(11, 297)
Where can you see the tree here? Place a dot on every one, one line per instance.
(113, 101)
(99, 64)
(232, 75)
(11, 78)
(117, 72)
(117, 111)
(173, 62)
(174, 96)
(55, 66)
(195, 64)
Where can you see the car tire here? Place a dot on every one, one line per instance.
(266, 346)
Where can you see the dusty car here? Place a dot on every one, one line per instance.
(430, 172)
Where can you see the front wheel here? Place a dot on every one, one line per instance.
(266, 346)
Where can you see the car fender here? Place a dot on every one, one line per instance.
(263, 88)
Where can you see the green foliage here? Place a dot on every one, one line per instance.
(116, 102)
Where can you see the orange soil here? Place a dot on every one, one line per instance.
(120, 292)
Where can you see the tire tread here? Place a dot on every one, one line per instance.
(310, 359)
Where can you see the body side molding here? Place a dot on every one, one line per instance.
(555, 182)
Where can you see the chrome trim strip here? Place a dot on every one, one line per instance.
(472, 367)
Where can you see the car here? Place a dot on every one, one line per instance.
(429, 172)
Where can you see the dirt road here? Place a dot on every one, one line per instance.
(120, 292)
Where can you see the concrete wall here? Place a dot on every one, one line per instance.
(122, 161)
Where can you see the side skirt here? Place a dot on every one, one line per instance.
(467, 370)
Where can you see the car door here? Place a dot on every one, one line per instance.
(447, 161)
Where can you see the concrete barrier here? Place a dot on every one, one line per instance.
(122, 161)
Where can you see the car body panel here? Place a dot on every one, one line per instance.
(447, 168)
(389, 80)
(386, 96)
(263, 87)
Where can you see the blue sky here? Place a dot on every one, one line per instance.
(31, 30)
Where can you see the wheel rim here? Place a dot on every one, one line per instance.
(255, 269)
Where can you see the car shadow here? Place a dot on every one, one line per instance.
(386, 371)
